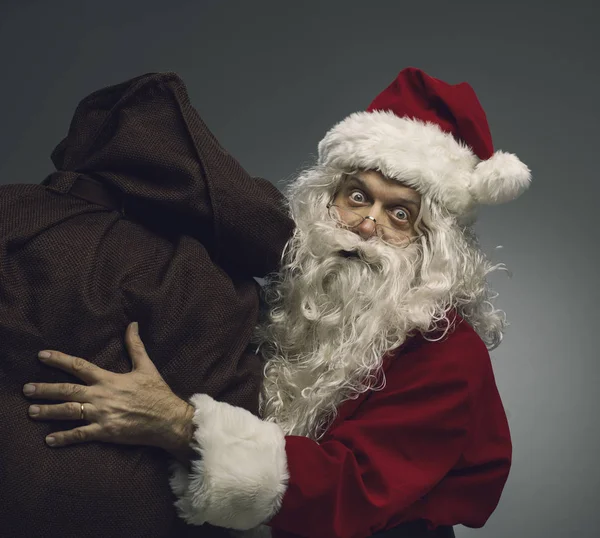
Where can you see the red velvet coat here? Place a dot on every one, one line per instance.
(434, 444)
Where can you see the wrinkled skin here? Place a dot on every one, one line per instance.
(136, 408)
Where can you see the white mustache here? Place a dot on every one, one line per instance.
(331, 240)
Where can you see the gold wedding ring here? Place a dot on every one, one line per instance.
(82, 416)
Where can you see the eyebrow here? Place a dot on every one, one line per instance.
(399, 200)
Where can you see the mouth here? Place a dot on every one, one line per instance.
(349, 254)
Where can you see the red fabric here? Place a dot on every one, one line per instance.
(433, 445)
(455, 108)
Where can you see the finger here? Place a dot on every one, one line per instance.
(64, 411)
(137, 350)
(84, 370)
(84, 434)
(57, 391)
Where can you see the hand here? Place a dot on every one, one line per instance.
(137, 408)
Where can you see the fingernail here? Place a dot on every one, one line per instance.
(135, 327)
(34, 410)
(28, 389)
(44, 354)
(50, 441)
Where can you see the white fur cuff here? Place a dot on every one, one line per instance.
(241, 478)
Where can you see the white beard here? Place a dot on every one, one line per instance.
(332, 319)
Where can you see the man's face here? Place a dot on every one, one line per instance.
(394, 207)
(345, 296)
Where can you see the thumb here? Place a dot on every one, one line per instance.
(136, 349)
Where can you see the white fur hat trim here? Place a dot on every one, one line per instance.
(424, 157)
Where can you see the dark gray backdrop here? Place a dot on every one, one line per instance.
(270, 77)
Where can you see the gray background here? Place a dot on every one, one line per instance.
(271, 77)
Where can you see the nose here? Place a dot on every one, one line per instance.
(366, 228)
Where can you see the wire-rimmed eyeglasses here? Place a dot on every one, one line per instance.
(348, 219)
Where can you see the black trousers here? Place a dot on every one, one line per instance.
(416, 529)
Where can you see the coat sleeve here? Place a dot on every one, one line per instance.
(367, 471)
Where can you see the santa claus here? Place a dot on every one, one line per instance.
(379, 407)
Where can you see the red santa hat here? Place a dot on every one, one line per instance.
(432, 136)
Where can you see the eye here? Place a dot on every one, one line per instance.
(401, 214)
(358, 197)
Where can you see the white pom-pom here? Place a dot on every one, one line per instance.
(499, 179)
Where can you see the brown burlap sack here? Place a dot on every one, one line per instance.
(180, 260)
